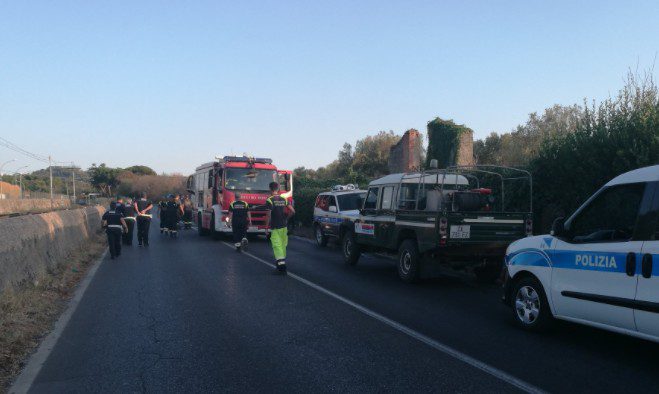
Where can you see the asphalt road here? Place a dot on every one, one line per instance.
(192, 315)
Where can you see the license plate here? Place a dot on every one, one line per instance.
(460, 232)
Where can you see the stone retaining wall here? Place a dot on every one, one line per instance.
(10, 206)
(32, 244)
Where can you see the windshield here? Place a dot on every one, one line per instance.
(249, 179)
(351, 202)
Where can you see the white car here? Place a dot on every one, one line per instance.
(333, 210)
(599, 267)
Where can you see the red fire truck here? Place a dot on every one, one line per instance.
(213, 187)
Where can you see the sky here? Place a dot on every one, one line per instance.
(172, 85)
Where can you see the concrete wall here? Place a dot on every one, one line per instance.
(36, 205)
(32, 244)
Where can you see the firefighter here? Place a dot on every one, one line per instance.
(162, 205)
(143, 208)
(120, 205)
(129, 218)
(114, 225)
(187, 212)
(280, 210)
(172, 212)
(239, 221)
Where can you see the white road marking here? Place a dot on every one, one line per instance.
(24, 381)
(493, 371)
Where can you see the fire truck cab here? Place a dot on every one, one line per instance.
(213, 187)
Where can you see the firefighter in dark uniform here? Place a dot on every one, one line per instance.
(239, 220)
(143, 208)
(172, 212)
(280, 210)
(129, 218)
(162, 215)
(114, 225)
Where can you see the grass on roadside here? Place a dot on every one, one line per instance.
(28, 312)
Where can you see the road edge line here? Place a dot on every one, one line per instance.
(24, 381)
(490, 370)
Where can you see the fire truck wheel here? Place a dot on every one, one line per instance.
(200, 229)
(321, 238)
(409, 261)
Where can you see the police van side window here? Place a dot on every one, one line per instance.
(371, 198)
(610, 217)
(331, 201)
(321, 203)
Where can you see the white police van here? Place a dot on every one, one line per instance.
(334, 209)
(599, 267)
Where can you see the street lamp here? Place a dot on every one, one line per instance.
(20, 180)
(1, 167)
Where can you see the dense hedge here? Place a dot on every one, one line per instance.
(619, 135)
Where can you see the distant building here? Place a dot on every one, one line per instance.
(406, 155)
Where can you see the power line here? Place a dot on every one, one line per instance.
(10, 145)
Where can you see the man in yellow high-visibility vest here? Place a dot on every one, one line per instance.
(280, 211)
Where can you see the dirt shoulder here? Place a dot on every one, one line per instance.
(28, 313)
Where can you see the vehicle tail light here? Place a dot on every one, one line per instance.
(528, 227)
(443, 227)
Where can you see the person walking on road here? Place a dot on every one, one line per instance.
(143, 209)
(129, 218)
(114, 225)
(239, 221)
(162, 208)
(280, 210)
(173, 211)
(187, 213)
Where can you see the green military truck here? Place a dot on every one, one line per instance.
(443, 218)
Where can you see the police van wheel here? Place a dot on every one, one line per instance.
(350, 248)
(321, 239)
(409, 260)
(530, 307)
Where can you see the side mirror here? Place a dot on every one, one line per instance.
(558, 227)
(333, 209)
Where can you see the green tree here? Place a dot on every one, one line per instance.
(141, 170)
(104, 178)
(372, 153)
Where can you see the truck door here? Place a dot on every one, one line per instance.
(365, 226)
(385, 224)
(646, 312)
(594, 265)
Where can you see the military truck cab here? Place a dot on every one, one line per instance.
(437, 219)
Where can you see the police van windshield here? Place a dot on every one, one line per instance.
(351, 202)
(249, 179)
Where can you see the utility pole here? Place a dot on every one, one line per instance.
(50, 167)
(73, 178)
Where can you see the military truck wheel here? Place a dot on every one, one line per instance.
(488, 273)
(321, 238)
(200, 229)
(350, 248)
(409, 261)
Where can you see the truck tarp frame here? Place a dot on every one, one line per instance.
(464, 171)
